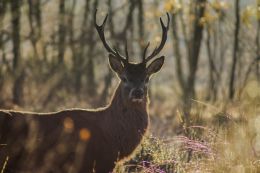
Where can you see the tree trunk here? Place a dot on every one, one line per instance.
(74, 48)
(78, 61)
(257, 69)
(141, 26)
(235, 51)
(213, 73)
(15, 7)
(61, 32)
(176, 51)
(34, 16)
(195, 44)
(90, 78)
(3, 4)
(19, 74)
(18, 87)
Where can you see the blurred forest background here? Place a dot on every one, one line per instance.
(52, 58)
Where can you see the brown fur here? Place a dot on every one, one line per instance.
(115, 132)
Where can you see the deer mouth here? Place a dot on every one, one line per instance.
(136, 95)
(137, 100)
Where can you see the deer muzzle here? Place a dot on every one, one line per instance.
(136, 94)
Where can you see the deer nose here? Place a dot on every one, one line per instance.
(138, 93)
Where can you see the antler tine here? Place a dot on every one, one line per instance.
(163, 40)
(119, 56)
(126, 52)
(100, 30)
(145, 50)
(117, 53)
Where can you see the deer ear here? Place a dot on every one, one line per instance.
(155, 66)
(115, 64)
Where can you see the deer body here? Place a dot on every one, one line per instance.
(116, 131)
(101, 137)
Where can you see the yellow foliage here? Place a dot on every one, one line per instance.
(208, 18)
(157, 39)
(157, 13)
(192, 17)
(247, 14)
(258, 12)
(172, 6)
(219, 5)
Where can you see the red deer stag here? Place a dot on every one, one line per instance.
(110, 134)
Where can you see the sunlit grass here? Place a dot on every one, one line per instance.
(3, 168)
(221, 138)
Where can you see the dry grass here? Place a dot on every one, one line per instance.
(221, 138)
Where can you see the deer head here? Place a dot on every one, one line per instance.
(134, 76)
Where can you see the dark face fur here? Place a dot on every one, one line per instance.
(134, 77)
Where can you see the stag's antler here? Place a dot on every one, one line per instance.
(164, 38)
(100, 30)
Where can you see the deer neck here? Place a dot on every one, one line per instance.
(118, 101)
(130, 123)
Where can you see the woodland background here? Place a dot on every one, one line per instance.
(205, 102)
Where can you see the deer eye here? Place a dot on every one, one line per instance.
(124, 79)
